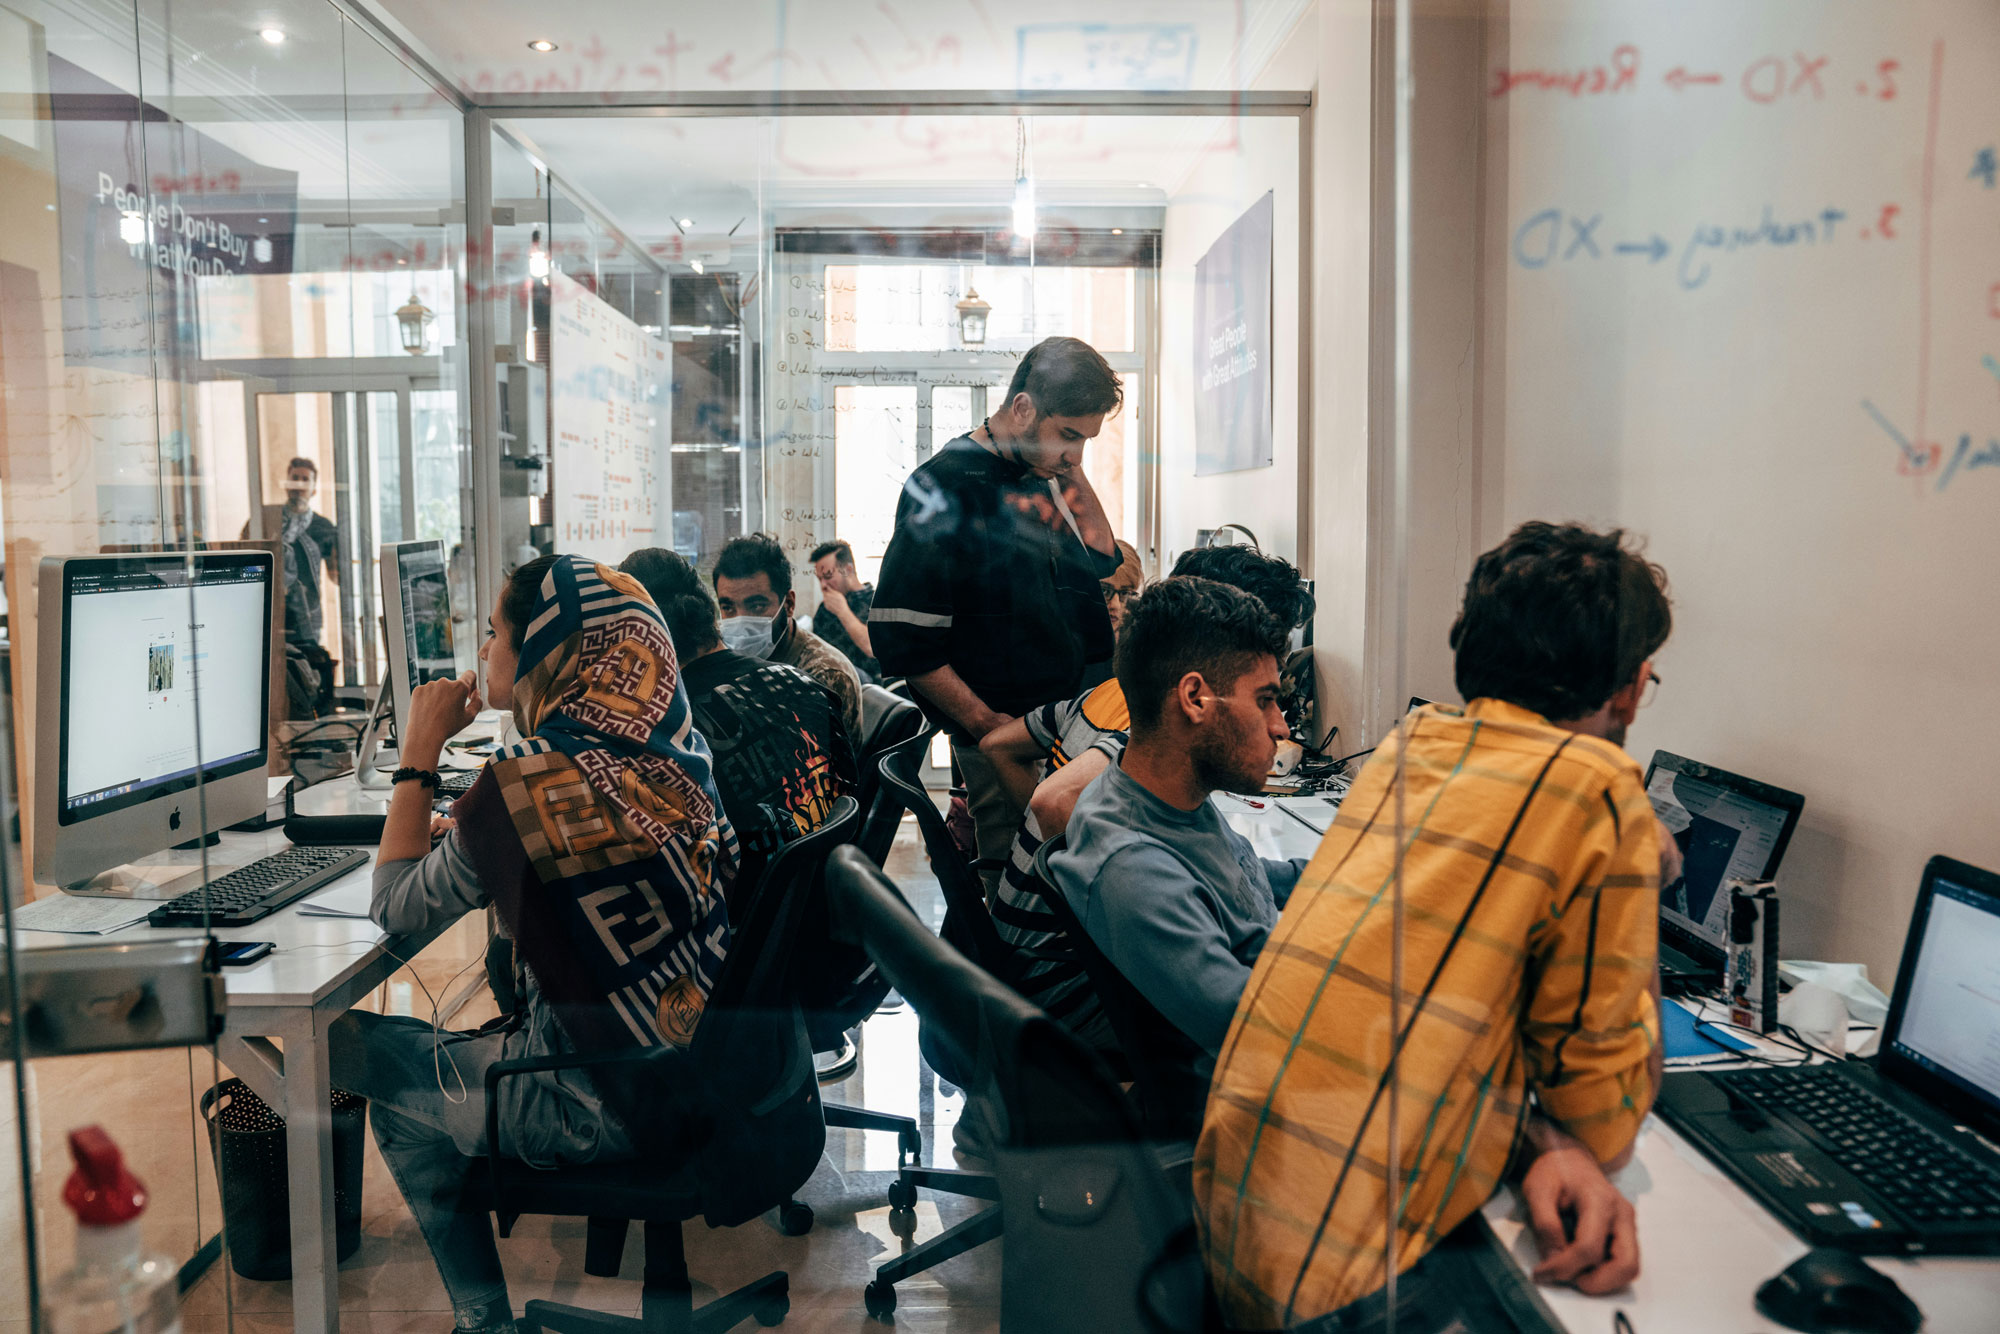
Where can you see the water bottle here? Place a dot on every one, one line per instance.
(114, 1287)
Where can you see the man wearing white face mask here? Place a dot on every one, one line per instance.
(753, 590)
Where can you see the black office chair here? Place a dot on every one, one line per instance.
(969, 928)
(888, 720)
(731, 1124)
(1098, 1237)
(847, 988)
(1165, 1064)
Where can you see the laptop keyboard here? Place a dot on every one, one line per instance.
(1921, 1175)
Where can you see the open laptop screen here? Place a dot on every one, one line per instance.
(1950, 1024)
(1728, 828)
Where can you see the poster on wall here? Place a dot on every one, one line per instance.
(609, 453)
(1232, 346)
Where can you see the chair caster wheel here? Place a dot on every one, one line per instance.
(902, 1195)
(881, 1299)
(795, 1219)
(773, 1312)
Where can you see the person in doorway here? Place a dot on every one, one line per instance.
(1529, 909)
(1177, 900)
(753, 588)
(311, 546)
(602, 844)
(844, 601)
(782, 755)
(989, 599)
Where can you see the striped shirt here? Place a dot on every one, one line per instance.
(1531, 903)
(1051, 976)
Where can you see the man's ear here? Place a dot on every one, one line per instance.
(1624, 703)
(1192, 697)
(791, 603)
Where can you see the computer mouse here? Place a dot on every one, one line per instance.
(1827, 1290)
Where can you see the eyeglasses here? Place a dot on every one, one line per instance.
(1651, 690)
(1112, 592)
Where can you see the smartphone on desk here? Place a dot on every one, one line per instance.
(237, 953)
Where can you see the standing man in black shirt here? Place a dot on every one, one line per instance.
(989, 600)
(844, 601)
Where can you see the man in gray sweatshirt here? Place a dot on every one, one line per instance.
(1176, 899)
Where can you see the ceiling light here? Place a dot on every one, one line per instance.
(1024, 185)
(687, 222)
(1117, 231)
(542, 44)
(275, 36)
(538, 260)
(696, 265)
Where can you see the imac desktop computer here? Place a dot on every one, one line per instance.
(152, 703)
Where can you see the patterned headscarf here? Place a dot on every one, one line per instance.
(619, 910)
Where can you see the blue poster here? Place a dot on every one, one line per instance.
(1232, 347)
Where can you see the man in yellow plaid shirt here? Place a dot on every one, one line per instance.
(1528, 1025)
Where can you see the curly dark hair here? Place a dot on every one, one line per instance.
(742, 557)
(1272, 580)
(684, 601)
(1184, 624)
(1558, 618)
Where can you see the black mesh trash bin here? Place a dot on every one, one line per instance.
(248, 1141)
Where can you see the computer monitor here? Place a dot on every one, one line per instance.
(1943, 1031)
(416, 607)
(1729, 828)
(154, 677)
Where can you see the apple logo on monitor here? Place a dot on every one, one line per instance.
(174, 818)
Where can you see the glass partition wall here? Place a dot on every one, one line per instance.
(233, 344)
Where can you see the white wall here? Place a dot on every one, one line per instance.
(1833, 608)
(1250, 156)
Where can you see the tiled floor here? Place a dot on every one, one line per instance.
(390, 1286)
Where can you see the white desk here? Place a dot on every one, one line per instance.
(274, 1035)
(1705, 1245)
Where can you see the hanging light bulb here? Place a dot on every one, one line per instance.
(1024, 183)
(538, 258)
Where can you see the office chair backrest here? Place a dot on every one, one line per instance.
(888, 721)
(1168, 1067)
(1092, 1220)
(967, 924)
(756, 1098)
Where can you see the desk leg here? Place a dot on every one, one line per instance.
(309, 1150)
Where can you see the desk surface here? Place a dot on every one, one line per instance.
(1704, 1244)
(312, 957)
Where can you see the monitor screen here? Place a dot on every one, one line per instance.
(133, 659)
(1724, 834)
(1951, 1019)
(426, 600)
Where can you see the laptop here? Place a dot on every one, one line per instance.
(1894, 1154)
(1729, 828)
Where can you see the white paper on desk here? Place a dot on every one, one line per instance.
(348, 901)
(82, 917)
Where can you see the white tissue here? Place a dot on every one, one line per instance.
(1865, 1001)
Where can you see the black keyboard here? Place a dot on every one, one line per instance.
(252, 892)
(1914, 1169)
(456, 782)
